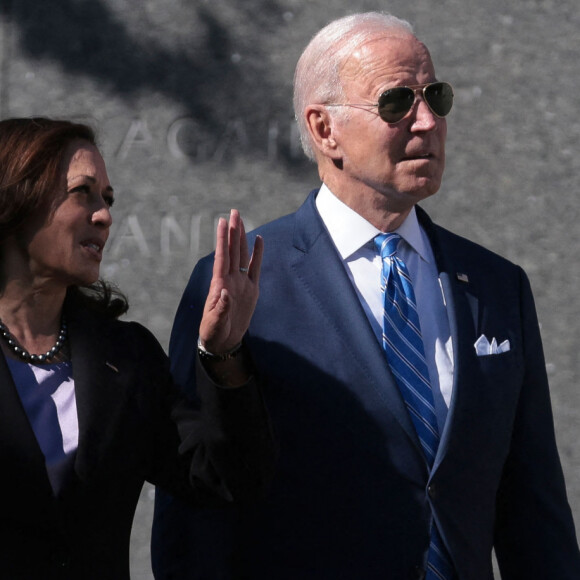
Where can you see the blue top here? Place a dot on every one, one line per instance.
(48, 396)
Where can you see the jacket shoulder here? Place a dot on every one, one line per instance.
(280, 228)
(452, 245)
(284, 228)
(126, 337)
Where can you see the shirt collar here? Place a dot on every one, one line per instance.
(350, 231)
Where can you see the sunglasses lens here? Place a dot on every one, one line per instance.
(439, 97)
(395, 103)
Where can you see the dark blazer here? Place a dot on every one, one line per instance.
(353, 498)
(128, 414)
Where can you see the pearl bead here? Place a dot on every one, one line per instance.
(24, 354)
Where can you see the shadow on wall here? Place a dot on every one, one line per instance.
(207, 58)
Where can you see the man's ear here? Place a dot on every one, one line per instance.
(320, 126)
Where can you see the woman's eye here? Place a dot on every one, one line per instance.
(81, 189)
(94, 195)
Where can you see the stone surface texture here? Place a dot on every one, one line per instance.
(192, 101)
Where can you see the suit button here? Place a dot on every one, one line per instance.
(431, 490)
(418, 573)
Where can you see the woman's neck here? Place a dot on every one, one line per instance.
(33, 315)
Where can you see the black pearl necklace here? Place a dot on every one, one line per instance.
(23, 354)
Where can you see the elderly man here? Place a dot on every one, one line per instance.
(403, 365)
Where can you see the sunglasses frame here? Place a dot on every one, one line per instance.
(416, 90)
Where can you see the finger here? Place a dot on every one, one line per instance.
(221, 258)
(256, 261)
(244, 252)
(234, 241)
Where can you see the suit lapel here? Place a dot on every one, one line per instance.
(463, 311)
(21, 454)
(461, 307)
(318, 266)
(100, 387)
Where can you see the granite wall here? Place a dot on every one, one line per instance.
(192, 101)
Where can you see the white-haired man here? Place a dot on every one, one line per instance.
(403, 365)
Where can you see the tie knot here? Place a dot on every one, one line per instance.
(386, 244)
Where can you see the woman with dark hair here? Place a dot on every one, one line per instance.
(87, 408)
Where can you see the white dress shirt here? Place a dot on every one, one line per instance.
(353, 237)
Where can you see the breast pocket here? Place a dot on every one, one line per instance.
(505, 363)
(498, 387)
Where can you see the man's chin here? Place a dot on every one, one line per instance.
(422, 190)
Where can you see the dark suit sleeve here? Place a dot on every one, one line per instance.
(225, 443)
(182, 346)
(187, 542)
(236, 417)
(237, 455)
(534, 535)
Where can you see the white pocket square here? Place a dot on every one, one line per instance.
(483, 347)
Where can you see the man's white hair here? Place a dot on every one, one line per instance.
(317, 76)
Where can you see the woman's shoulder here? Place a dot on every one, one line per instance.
(126, 336)
(130, 331)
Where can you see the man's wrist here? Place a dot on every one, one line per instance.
(205, 354)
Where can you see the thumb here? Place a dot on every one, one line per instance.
(223, 303)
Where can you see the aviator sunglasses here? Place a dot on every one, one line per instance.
(395, 103)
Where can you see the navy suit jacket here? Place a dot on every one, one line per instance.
(353, 497)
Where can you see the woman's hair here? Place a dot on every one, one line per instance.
(31, 158)
(317, 76)
(32, 153)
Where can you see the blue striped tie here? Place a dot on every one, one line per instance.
(403, 345)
